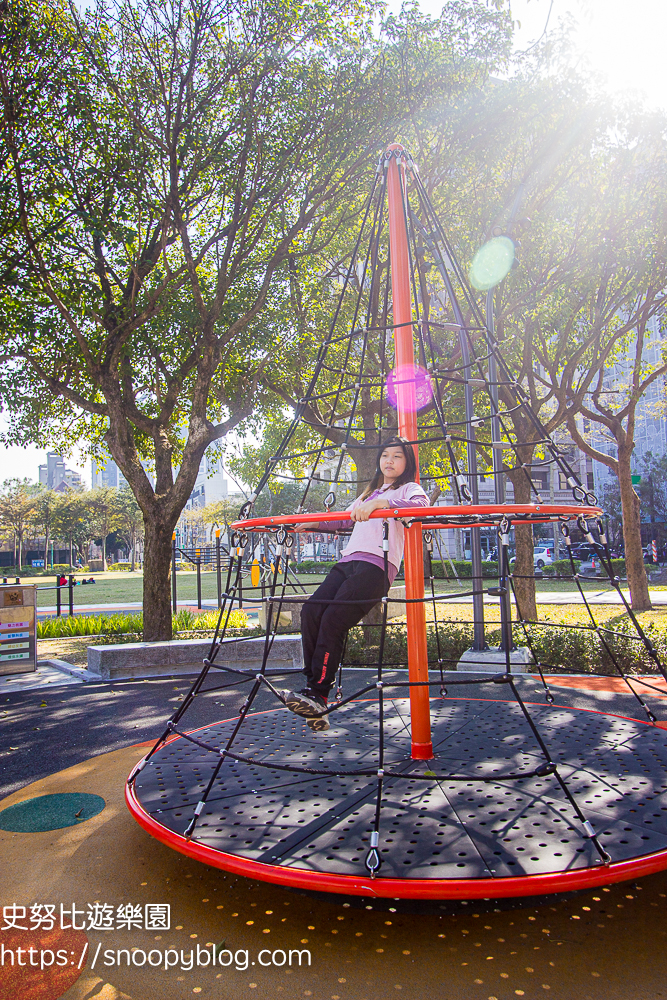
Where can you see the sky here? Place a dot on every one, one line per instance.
(621, 41)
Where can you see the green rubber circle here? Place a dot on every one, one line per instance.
(50, 812)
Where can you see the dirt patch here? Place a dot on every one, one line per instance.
(72, 649)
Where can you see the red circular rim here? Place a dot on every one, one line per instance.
(363, 885)
(523, 510)
(352, 885)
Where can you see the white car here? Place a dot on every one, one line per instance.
(543, 555)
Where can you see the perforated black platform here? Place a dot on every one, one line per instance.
(434, 829)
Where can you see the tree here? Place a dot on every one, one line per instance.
(128, 520)
(17, 509)
(166, 161)
(102, 511)
(221, 513)
(610, 498)
(47, 504)
(608, 395)
(74, 522)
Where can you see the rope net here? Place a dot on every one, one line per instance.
(469, 409)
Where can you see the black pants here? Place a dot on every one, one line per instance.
(325, 625)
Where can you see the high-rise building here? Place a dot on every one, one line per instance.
(210, 484)
(55, 475)
(106, 474)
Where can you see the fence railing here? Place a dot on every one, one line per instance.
(69, 586)
(217, 557)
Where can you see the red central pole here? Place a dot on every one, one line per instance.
(420, 716)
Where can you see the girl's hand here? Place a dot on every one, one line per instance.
(364, 510)
(300, 528)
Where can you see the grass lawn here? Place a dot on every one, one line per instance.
(121, 588)
(126, 588)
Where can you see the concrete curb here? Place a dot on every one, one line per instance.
(129, 660)
(66, 668)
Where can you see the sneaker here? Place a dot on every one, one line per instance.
(306, 703)
(319, 724)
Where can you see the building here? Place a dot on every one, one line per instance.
(56, 476)
(106, 474)
(210, 485)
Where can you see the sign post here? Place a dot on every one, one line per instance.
(18, 628)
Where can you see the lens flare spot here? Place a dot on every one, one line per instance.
(492, 263)
(409, 387)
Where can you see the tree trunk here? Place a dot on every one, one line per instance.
(365, 461)
(157, 587)
(632, 538)
(524, 571)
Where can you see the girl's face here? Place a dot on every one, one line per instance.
(392, 463)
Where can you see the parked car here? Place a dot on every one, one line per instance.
(543, 555)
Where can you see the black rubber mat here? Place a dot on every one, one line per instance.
(436, 828)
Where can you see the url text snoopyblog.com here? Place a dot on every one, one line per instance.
(169, 958)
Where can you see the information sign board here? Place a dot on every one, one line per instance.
(18, 628)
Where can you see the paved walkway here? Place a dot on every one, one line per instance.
(603, 944)
(658, 598)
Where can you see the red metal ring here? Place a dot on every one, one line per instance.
(353, 885)
(553, 511)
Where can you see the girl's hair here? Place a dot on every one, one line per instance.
(408, 476)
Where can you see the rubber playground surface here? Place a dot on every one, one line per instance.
(81, 741)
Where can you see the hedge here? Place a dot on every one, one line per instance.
(312, 566)
(561, 567)
(463, 567)
(26, 571)
(124, 624)
(559, 649)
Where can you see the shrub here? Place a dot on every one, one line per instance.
(128, 624)
(27, 571)
(313, 567)
(463, 568)
(559, 649)
(561, 567)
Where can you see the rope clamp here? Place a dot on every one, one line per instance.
(545, 769)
